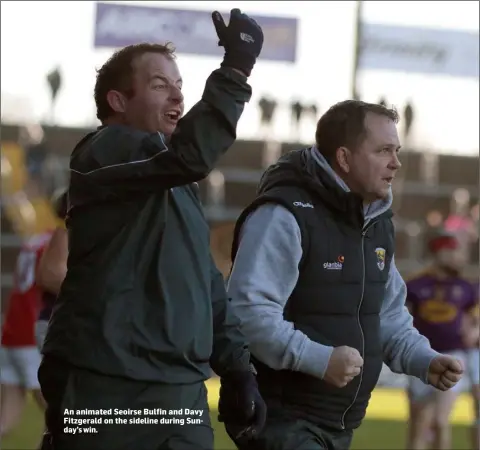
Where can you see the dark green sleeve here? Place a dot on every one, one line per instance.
(230, 350)
(128, 159)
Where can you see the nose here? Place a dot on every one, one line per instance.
(395, 163)
(176, 94)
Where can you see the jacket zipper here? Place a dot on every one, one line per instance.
(364, 232)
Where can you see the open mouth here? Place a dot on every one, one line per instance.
(389, 180)
(173, 116)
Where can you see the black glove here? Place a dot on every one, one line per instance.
(242, 40)
(241, 407)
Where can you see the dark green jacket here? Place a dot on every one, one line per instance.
(142, 298)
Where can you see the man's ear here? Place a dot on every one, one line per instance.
(117, 101)
(343, 159)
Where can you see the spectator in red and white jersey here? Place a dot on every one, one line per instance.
(19, 355)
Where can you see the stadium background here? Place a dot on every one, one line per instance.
(435, 184)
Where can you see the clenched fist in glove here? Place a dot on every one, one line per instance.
(242, 40)
(241, 407)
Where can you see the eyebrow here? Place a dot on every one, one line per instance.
(164, 78)
(392, 146)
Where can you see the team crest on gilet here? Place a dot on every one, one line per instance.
(380, 252)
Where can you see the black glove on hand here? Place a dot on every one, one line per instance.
(242, 40)
(241, 407)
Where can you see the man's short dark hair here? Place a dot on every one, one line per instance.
(343, 125)
(117, 73)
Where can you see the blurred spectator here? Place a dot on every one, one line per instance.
(382, 101)
(474, 214)
(434, 219)
(267, 107)
(54, 80)
(45, 170)
(297, 110)
(32, 140)
(461, 223)
(408, 116)
(313, 110)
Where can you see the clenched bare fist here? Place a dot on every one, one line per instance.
(344, 365)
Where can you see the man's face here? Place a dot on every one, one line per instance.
(156, 103)
(373, 165)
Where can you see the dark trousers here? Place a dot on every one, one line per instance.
(69, 390)
(282, 432)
